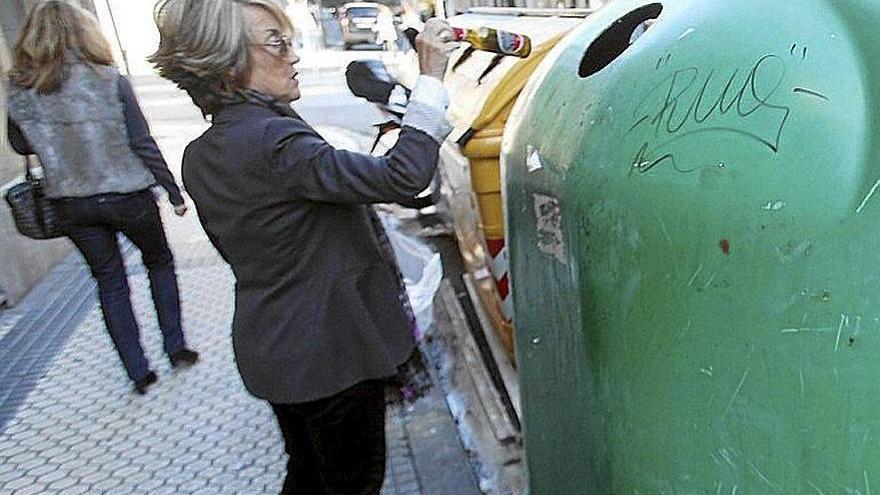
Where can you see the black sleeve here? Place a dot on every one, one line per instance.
(17, 140)
(313, 169)
(142, 142)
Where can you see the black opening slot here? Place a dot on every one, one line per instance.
(617, 38)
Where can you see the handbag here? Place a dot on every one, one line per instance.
(32, 211)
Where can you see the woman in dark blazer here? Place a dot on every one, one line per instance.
(320, 319)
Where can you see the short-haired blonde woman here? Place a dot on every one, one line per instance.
(320, 320)
(69, 105)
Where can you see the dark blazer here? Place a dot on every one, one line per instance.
(316, 306)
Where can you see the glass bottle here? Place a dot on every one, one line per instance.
(495, 40)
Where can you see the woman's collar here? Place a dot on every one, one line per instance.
(284, 109)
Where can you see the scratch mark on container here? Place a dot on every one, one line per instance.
(774, 205)
(814, 487)
(736, 393)
(870, 194)
(867, 483)
(689, 31)
(735, 489)
(684, 329)
(706, 371)
(727, 458)
(841, 485)
(839, 329)
(711, 279)
(763, 478)
(663, 228)
(695, 275)
(719, 486)
(803, 386)
(807, 329)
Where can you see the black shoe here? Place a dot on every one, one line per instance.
(141, 386)
(184, 357)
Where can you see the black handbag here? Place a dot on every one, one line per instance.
(33, 213)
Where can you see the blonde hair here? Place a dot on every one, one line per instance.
(203, 47)
(53, 31)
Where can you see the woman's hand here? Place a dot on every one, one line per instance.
(434, 44)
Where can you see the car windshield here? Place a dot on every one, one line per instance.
(362, 12)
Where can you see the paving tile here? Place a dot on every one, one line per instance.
(30, 464)
(152, 483)
(80, 470)
(42, 470)
(191, 485)
(34, 489)
(75, 490)
(165, 490)
(10, 475)
(57, 474)
(106, 485)
(63, 458)
(130, 472)
(63, 485)
(22, 456)
(94, 477)
(115, 465)
(17, 483)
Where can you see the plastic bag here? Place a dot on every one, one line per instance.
(421, 268)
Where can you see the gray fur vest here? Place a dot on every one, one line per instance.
(79, 133)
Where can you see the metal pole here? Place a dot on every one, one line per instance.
(118, 40)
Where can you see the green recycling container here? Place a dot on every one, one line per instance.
(692, 194)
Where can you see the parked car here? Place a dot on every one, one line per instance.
(361, 23)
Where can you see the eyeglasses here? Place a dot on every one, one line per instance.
(282, 45)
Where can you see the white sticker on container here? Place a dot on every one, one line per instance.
(482, 274)
(533, 161)
(548, 227)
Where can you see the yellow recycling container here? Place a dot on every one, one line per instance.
(483, 87)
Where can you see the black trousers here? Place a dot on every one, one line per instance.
(336, 446)
(92, 223)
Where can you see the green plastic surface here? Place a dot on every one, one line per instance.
(694, 237)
